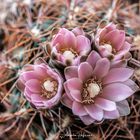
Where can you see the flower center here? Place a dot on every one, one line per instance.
(91, 89)
(49, 88)
(108, 47)
(69, 53)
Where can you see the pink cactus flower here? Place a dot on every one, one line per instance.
(70, 46)
(41, 85)
(111, 42)
(95, 91)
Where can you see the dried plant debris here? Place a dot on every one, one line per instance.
(28, 33)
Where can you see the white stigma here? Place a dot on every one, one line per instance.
(108, 47)
(93, 89)
(49, 86)
(68, 55)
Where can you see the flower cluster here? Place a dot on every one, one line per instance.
(93, 81)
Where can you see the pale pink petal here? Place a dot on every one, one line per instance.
(20, 84)
(116, 92)
(83, 45)
(112, 36)
(103, 31)
(70, 39)
(105, 104)
(104, 52)
(36, 98)
(38, 105)
(34, 85)
(94, 111)
(125, 49)
(78, 109)
(87, 120)
(123, 108)
(93, 57)
(76, 95)
(32, 75)
(27, 94)
(118, 75)
(50, 103)
(74, 84)
(77, 31)
(41, 70)
(100, 34)
(102, 67)
(71, 72)
(119, 41)
(59, 38)
(111, 114)
(132, 85)
(28, 67)
(66, 101)
(119, 63)
(111, 26)
(63, 31)
(85, 71)
(67, 91)
(126, 46)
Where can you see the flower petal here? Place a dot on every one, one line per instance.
(77, 31)
(103, 31)
(41, 70)
(116, 92)
(94, 111)
(63, 31)
(71, 72)
(68, 91)
(59, 38)
(93, 57)
(78, 109)
(104, 52)
(111, 114)
(119, 41)
(119, 63)
(116, 37)
(66, 101)
(85, 71)
(27, 94)
(74, 84)
(83, 45)
(111, 26)
(33, 85)
(118, 75)
(87, 120)
(132, 85)
(125, 49)
(76, 95)
(105, 104)
(31, 75)
(102, 67)
(123, 108)
(20, 84)
(36, 98)
(70, 40)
